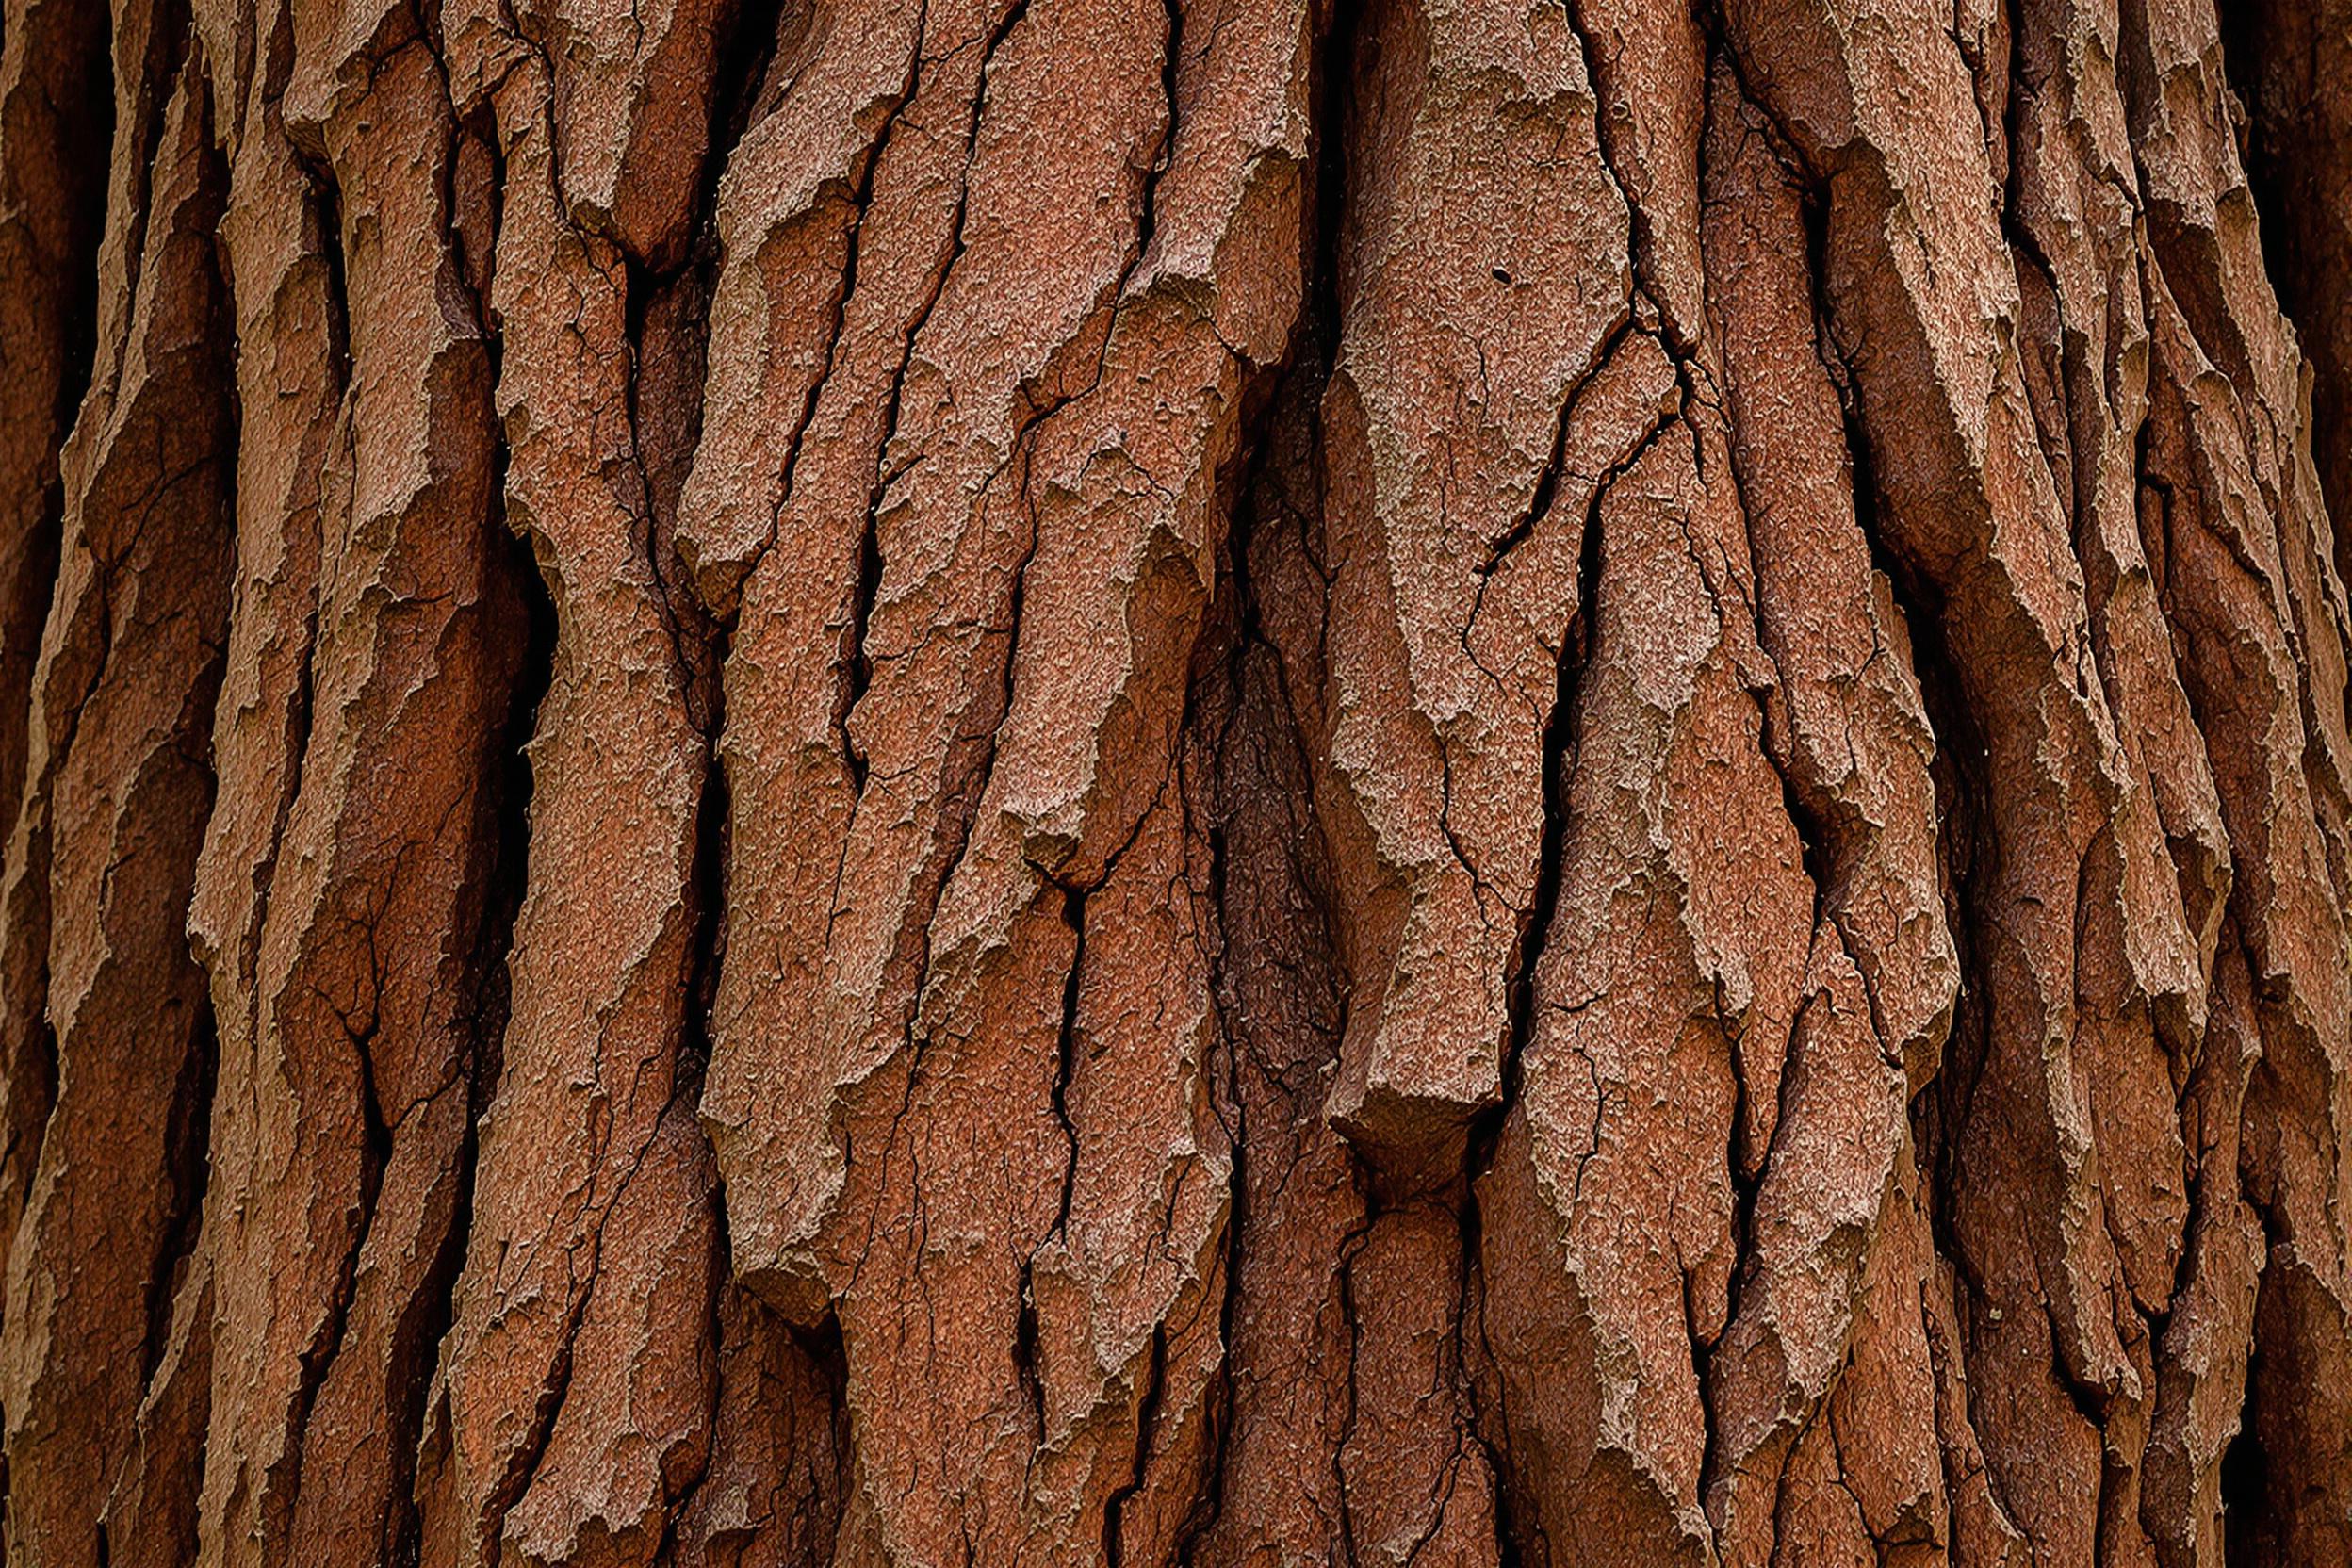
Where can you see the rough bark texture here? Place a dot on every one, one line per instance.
(1008, 782)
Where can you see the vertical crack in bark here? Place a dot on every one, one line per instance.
(1547, 480)
(1233, 1116)
(1222, 681)
(2247, 1531)
(1171, 62)
(2285, 60)
(1147, 1415)
(856, 665)
(508, 885)
(1066, 1048)
(1608, 91)
(861, 198)
(187, 1170)
(316, 1357)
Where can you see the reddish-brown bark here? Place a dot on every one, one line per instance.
(1049, 781)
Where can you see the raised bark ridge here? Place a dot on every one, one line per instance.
(1046, 781)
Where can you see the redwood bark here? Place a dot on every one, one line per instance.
(1058, 781)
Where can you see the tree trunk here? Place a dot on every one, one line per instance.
(1060, 781)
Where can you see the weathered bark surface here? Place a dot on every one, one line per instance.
(1049, 781)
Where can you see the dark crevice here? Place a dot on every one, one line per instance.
(1065, 1062)
(298, 705)
(1547, 481)
(2183, 245)
(2246, 1501)
(822, 1349)
(1963, 856)
(1337, 68)
(2245, 1493)
(748, 50)
(524, 639)
(1964, 850)
(2281, 62)
(415, 1340)
(327, 199)
(532, 629)
(39, 1067)
(529, 637)
(883, 473)
(2253, 45)
(1613, 115)
(1559, 743)
(1220, 697)
(87, 135)
(2043, 360)
(508, 884)
(1490, 1429)
(1218, 719)
(1172, 62)
(1957, 768)
(859, 664)
(712, 862)
(186, 1172)
(169, 37)
(713, 1327)
(317, 1357)
(1233, 1114)
(1075, 915)
(1343, 1279)
(474, 232)
(680, 613)
(662, 453)
(746, 57)
(1146, 1416)
(523, 1464)
(1025, 1369)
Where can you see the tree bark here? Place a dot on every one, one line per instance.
(800, 782)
